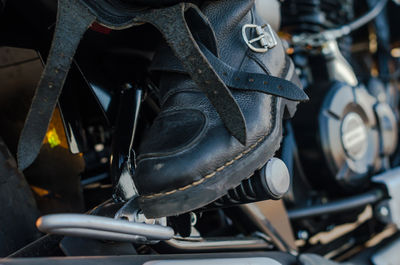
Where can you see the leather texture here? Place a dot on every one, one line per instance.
(156, 3)
(185, 164)
(73, 19)
(236, 79)
(206, 158)
(72, 22)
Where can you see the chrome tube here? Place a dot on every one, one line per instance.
(186, 245)
(102, 228)
(350, 203)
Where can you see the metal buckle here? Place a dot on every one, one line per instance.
(265, 37)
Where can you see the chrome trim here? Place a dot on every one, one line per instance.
(193, 245)
(338, 206)
(238, 261)
(103, 228)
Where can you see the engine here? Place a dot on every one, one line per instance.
(352, 137)
(348, 130)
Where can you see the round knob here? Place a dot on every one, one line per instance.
(277, 177)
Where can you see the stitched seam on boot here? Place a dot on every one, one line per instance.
(196, 183)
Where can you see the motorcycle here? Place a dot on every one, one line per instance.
(329, 195)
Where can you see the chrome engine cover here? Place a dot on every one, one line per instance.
(349, 134)
(358, 131)
(348, 139)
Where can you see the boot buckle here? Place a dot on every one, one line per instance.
(265, 37)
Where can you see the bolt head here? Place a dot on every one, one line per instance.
(302, 234)
(383, 211)
(193, 219)
(127, 86)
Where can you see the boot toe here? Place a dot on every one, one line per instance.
(172, 132)
(171, 138)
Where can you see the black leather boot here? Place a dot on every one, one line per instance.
(188, 158)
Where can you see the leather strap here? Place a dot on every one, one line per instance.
(171, 22)
(268, 84)
(75, 16)
(72, 22)
(241, 80)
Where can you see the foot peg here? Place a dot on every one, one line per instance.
(104, 228)
(272, 181)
